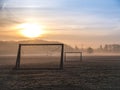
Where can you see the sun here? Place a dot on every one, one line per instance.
(31, 30)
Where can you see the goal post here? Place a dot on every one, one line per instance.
(72, 55)
(18, 59)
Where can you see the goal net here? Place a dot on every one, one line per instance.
(40, 56)
(73, 56)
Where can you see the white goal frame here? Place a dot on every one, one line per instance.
(17, 66)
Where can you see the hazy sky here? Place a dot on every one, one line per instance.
(80, 22)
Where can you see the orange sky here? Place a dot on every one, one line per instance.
(75, 23)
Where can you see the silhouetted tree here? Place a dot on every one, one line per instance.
(76, 48)
(90, 50)
(106, 48)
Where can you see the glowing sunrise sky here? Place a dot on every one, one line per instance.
(76, 22)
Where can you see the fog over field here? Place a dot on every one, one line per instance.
(88, 54)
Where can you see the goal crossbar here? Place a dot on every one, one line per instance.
(17, 66)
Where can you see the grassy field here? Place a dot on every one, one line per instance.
(93, 73)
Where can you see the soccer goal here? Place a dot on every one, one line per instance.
(39, 56)
(73, 56)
